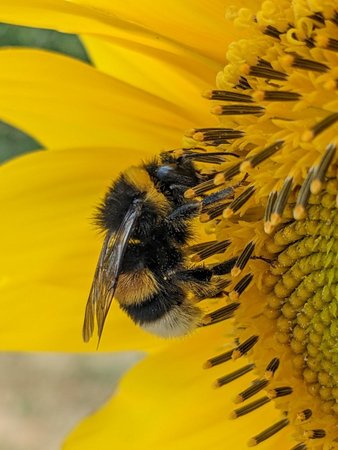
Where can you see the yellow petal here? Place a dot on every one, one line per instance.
(60, 15)
(178, 77)
(65, 103)
(167, 402)
(49, 248)
(198, 24)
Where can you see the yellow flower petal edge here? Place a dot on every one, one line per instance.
(66, 16)
(168, 402)
(178, 77)
(70, 104)
(164, 25)
(185, 71)
(49, 250)
(187, 22)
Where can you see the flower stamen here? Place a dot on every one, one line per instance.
(252, 390)
(234, 110)
(263, 72)
(299, 211)
(315, 434)
(227, 96)
(217, 360)
(268, 432)
(209, 158)
(243, 259)
(236, 204)
(300, 446)
(329, 44)
(213, 213)
(271, 368)
(280, 203)
(249, 407)
(304, 415)
(233, 375)
(321, 126)
(224, 313)
(321, 169)
(279, 392)
(253, 161)
(298, 62)
(207, 249)
(244, 348)
(233, 354)
(318, 17)
(222, 177)
(199, 189)
(272, 32)
(276, 96)
(240, 287)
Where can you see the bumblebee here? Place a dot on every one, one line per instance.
(144, 262)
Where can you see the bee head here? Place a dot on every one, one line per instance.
(172, 176)
(177, 169)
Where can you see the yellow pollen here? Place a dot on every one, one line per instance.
(207, 94)
(219, 179)
(322, 41)
(189, 193)
(330, 85)
(299, 212)
(307, 136)
(316, 186)
(258, 96)
(235, 272)
(216, 110)
(227, 213)
(245, 166)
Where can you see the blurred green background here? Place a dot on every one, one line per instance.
(43, 396)
(12, 141)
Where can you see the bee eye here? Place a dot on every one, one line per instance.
(163, 171)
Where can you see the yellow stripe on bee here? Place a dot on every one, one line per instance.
(140, 179)
(135, 287)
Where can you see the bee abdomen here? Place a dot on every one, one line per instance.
(136, 286)
(166, 313)
(179, 321)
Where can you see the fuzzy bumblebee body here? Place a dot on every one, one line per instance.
(143, 262)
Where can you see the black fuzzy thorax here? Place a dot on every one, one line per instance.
(116, 204)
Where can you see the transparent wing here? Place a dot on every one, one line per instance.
(107, 272)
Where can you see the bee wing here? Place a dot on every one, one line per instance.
(96, 291)
(107, 272)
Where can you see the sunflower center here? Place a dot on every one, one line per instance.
(304, 276)
(275, 148)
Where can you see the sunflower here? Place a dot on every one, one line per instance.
(264, 368)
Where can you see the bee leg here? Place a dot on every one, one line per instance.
(200, 282)
(198, 274)
(177, 225)
(185, 212)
